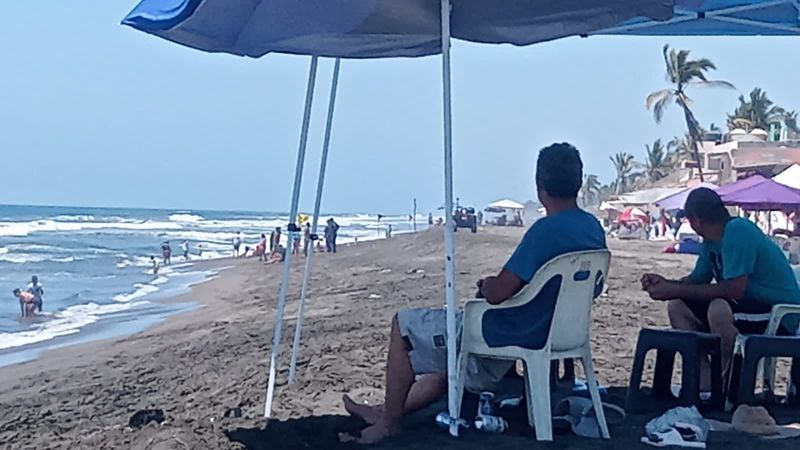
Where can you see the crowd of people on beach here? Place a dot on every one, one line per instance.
(30, 298)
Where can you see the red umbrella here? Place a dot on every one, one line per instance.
(634, 214)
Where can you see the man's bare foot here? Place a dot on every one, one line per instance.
(370, 414)
(376, 433)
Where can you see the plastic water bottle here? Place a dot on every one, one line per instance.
(491, 424)
(443, 420)
(486, 404)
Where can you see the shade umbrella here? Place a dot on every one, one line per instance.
(634, 215)
(768, 195)
(741, 184)
(386, 28)
(677, 200)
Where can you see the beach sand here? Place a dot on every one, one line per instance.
(207, 368)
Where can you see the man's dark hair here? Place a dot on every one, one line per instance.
(706, 205)
(16, 291)
(559, 170)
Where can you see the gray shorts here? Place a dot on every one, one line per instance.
(425, 332)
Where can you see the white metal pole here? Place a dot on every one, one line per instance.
(291, 235)
(449, 243)
(315, 220)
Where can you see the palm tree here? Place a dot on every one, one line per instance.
(623, 165)
(755, 111)
(656, 162)
(682, 73)
(590, 189)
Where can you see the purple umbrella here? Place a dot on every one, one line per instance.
(677, 200)
(765, 196)
(739, 185)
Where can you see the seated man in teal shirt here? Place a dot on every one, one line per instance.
(416, 369)
(739, 275)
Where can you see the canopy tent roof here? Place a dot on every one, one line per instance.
(790, 177)
(678, 199)
(767, 195)
(387, 28)
(506, 204)
(646, 196)
(739, 185)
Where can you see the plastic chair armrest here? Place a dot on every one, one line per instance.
(778, 313)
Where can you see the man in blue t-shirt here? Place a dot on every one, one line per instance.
(739, 275)
(417, 363)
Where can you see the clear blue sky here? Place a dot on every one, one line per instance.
(96, 114)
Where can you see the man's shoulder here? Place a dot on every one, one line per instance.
(739, 226)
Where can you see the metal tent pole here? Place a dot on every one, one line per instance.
(315, 220)
(449, 244)
(290, 236)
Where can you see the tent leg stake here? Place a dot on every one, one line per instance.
(315, 220)
(290, 236)
(449, 241)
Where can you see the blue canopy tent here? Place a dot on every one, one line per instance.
(413, 28)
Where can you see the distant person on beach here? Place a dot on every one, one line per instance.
(185, 250)
(200, 251)
(237, 242)
(261, 248)
(27, 302)
(278, 256)
(740, 274)
(36, 288)
(166, 253)
(274, 240)
(296, 243)
(307, 239)
(389, 231)
(154, 264)
(331, 232)
(416, 370)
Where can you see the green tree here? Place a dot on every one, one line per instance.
(682, 73)
(590, 190)
(756, 111)
(624, 166)
(656, 160)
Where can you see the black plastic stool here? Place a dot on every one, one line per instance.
(744, 370)
(568, 380)
(692, 346)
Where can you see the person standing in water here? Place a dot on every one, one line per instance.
(27, 302)
(36, 288)
(237, 242)
(166, 253)
(154, 263)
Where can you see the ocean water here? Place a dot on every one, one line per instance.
(95, 269)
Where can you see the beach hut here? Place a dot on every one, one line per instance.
(381, 28)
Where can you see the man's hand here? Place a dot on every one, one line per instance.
(661, 289)
(650, 279)
(479, 284)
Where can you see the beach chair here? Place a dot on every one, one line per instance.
(756, 353)
(569, 334)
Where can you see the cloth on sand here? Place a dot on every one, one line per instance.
(578, 415)
(682, 426)
(755, 420)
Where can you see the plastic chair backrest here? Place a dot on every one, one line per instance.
(582, 276)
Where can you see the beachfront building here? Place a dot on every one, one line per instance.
(739, 154)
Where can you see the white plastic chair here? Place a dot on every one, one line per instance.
(767, 365)
(569, 335)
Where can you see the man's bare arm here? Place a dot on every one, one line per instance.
(498, 289)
